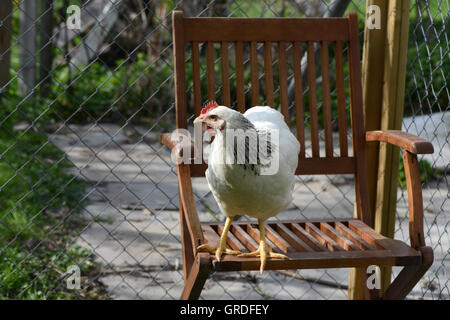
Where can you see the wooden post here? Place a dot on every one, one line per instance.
(383, 76)
(5, 42)
(372, 81)
(391, 119)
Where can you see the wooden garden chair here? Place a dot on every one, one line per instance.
(332, 243)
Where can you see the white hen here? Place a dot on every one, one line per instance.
(249, 186)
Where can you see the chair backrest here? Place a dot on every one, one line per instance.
(284, 39)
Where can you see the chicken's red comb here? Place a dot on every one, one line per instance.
(209, 106)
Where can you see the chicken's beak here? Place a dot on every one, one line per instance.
(199, 119)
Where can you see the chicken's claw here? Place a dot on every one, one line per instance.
(218, 250)
(263, 252)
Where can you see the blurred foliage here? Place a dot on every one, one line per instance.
(428, 68)
(138, 87)
(116, 93)
(428, 173)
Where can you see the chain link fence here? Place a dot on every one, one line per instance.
(89, 198)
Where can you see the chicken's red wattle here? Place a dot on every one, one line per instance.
(210, 130)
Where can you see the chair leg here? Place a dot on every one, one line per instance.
(197, 276)
(358, 289)
(370, 294)
(409, 276)
(188, 251)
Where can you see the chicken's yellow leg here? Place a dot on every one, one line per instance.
(221, 247)
(263, 251)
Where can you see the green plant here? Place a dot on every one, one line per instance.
(39, 205)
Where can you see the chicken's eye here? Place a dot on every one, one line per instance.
(213, 117)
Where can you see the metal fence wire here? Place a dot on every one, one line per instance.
(87, 192)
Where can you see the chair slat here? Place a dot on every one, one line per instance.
(313, 100)
(298, 86)
(322, 237)
(240, 77)
(226, 99)
(305, 236)
(211, 237)
(232, 241)
(244, 238)
(377, 240)
(340, 91)
(282, 66)
(210, 74)
(254, 233)
(268, 29)
(254, 73)
(306, 166)
(287, 221)
(292, 238)
(196, 78)
(314, 260)
(326, 99)
(268, 73)
(363, 231)
(341, 240)
(278, 240)
(363, 245)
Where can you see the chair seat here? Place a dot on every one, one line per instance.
(337, 243)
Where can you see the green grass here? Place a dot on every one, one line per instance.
(37, 222)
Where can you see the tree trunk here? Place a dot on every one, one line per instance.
(221, 8)
(91, 45)
(5, 42)
(46, 56)
(195, 8)
(27, 46)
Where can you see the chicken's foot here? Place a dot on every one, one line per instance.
(263, 250)
(221, 247)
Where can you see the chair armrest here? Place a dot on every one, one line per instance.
(413, 146)
(187, 202)
(407, 141)
(167, 140)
